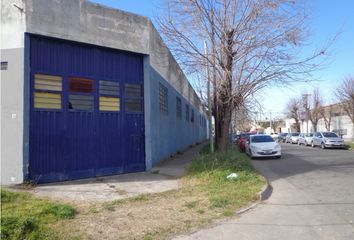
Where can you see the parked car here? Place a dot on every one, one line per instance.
(327, 140)
(305, 139)
(242, 140)
(292, 137)
(275, 136)
(262, 145)
(282, 137)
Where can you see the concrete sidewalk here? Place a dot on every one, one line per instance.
(161, 178)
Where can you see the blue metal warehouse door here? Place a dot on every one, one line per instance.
(86, 115)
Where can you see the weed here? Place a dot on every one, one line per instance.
(60, 211)
(110, 206)
(93, 210)
(200, 211)
(140, 197)
(219, 202)
(191, 205)
(228, 213)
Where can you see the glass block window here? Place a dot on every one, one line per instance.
(163, 99)
(80, 102)
(47, 91)
(133, 98)
(109, 96)
(187, 113)
(80, 85)
(178, 108)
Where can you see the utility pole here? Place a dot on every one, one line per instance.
(305, 102)
(209, 99)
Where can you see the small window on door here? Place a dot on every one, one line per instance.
(80, 85)
(133, 98)
(47, 92)
(81, 94)
(109, 96)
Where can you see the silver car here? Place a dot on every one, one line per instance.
(305, 139)
(292, 137)
(327, 140)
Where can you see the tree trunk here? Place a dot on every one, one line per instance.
(225, 94)
(225, 127)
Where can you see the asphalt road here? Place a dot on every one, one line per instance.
(312, 198)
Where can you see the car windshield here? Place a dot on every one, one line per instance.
(309, 135)
(259, 139)
(295, 134)
(329, 134)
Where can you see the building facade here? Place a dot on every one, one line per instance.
(88, 91)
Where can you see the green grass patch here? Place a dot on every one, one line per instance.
(209, 171)
(26, 217)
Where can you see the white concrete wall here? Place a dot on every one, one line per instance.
(11, 88)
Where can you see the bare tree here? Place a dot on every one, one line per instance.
(315, 109)
(253, 43)
(293, 107)
(345, 95)
(326, 114)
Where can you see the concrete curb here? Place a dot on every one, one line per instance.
(264, 194)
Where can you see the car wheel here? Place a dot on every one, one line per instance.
(306, 144)
(298, 143)
(323, 146)
(312, 144)
(278, 156)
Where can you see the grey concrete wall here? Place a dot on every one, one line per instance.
(12, 24)
(12, 116)
(163, 62)
(82, 21)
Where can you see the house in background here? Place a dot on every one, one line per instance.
(336, 121)
(88, 91)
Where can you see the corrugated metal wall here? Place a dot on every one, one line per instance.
(87, 115)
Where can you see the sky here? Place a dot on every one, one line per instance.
(328, 18)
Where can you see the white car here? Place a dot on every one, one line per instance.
(262, 145)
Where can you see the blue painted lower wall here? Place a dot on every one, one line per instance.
(169, 134)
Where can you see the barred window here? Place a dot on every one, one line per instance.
(163, 99)
(192, 117)
(178, 108)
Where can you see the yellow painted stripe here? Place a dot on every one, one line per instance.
(47, 100)
(109, 99)
(47, 95)
(47, 87)
(47, 82)
(105, 108)
(47, 77)
(47, 105)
